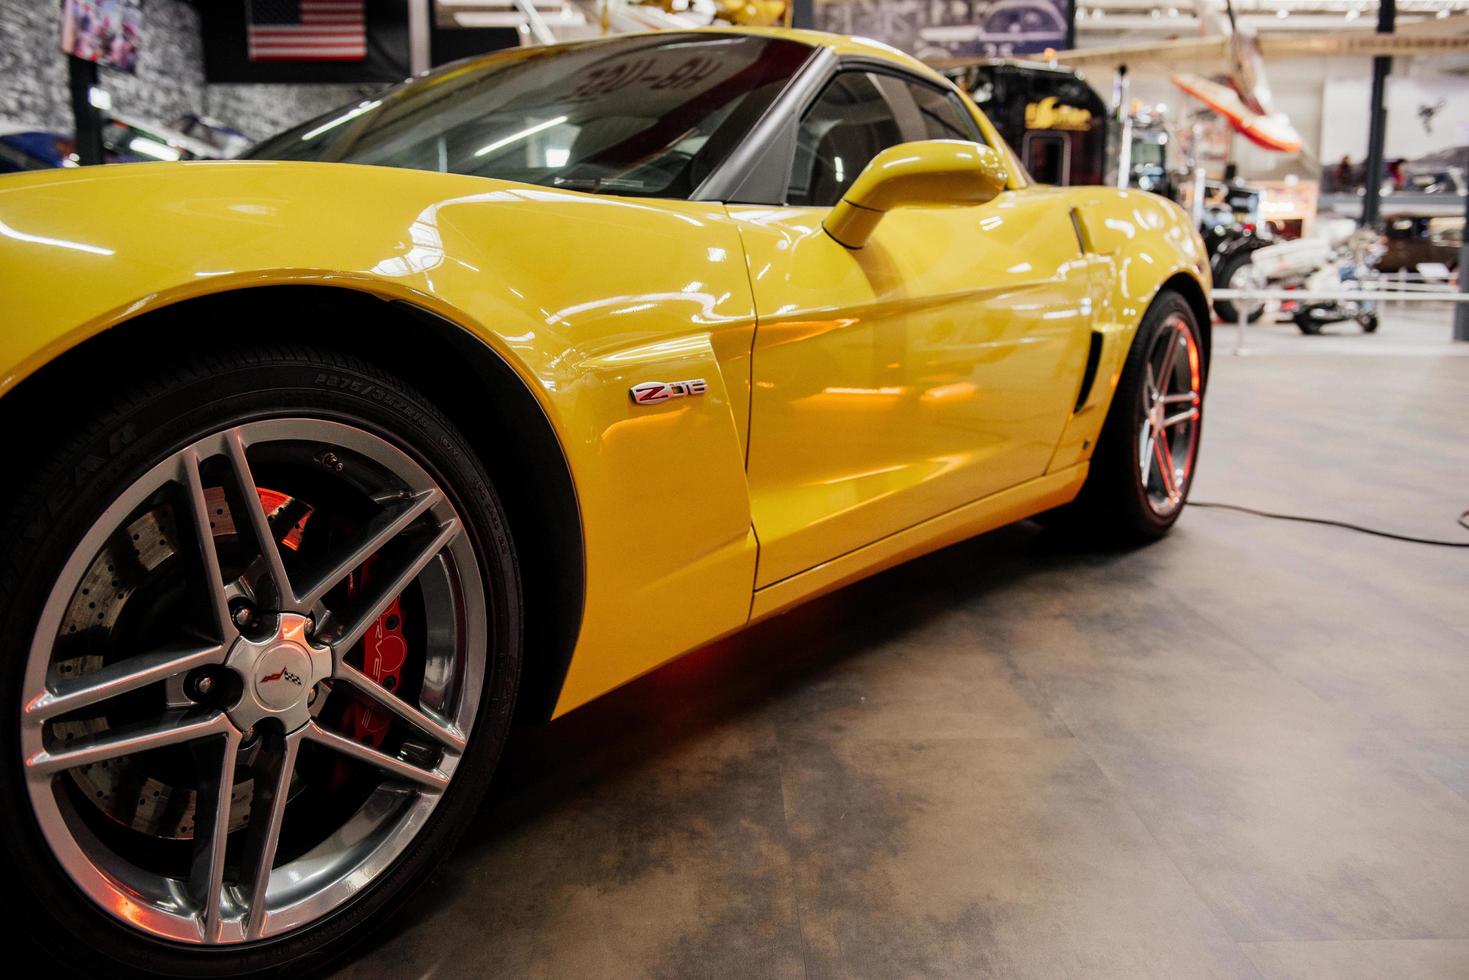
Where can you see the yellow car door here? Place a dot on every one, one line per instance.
(932, 367)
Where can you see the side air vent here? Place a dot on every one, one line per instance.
(1081, 235)
(1089, 376)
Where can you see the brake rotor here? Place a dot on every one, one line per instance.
(121, 788)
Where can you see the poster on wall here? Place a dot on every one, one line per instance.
(954, 28)
(105, 31)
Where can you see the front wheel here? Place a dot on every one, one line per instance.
(1144, 461)
(257, 666)
(1238, 272)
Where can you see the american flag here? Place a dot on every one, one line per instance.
(307, 30)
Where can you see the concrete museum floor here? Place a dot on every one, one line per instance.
(1242, 752)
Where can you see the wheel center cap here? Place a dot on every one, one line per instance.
(278, 672)
(281, 675)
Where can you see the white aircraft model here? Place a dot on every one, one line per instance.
(1245, 100)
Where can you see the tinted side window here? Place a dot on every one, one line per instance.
(842, 131)
(944, 116)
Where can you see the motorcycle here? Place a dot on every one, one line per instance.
(1347, 270)
(1334, 262)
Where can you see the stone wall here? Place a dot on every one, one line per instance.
(168, 84)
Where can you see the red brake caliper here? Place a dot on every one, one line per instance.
(384, 651)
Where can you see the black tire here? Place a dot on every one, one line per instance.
(1223, 308)
(1112, 507)
(55, 499)
(1306, 324)
(1368, 322)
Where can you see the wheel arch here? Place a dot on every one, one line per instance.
(1192, 291)
(459, 372)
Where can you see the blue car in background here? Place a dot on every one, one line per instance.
(124, 140)
(30, 149)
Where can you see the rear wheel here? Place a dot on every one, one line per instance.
(1305, 323)
(260, 639)
(1144, 461)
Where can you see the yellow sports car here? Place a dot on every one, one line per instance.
(484, 396)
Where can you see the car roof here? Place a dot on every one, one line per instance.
(842, 44)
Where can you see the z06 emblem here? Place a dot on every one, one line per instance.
(650, 392)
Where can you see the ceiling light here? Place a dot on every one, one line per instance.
(1352, 14)
(1282, 13)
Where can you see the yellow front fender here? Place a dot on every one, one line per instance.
(583, 296)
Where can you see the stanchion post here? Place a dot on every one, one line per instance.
(1461, 310)
(1242, 316)
(82, 78)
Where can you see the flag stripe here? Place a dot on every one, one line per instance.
(289, 43)
(307, 30)
(307, 56)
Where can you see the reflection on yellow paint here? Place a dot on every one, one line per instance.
(618, 305)
(662, 350)
(21, 236)
(958, 391)
(790, 331)
(425, 252)
(886, 391)
(652, 421)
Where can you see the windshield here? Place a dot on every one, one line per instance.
(646, 115)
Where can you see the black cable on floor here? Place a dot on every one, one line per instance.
(1463, 522)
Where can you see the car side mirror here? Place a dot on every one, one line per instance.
(925, 174)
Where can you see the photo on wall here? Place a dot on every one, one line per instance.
(954, 28)
(105, 31)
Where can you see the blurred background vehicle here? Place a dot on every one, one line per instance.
(1410, 239)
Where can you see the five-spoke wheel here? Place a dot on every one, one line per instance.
(1143, 464)
(1168, 424)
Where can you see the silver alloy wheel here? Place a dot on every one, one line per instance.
(1171, 407)
(295, 649)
